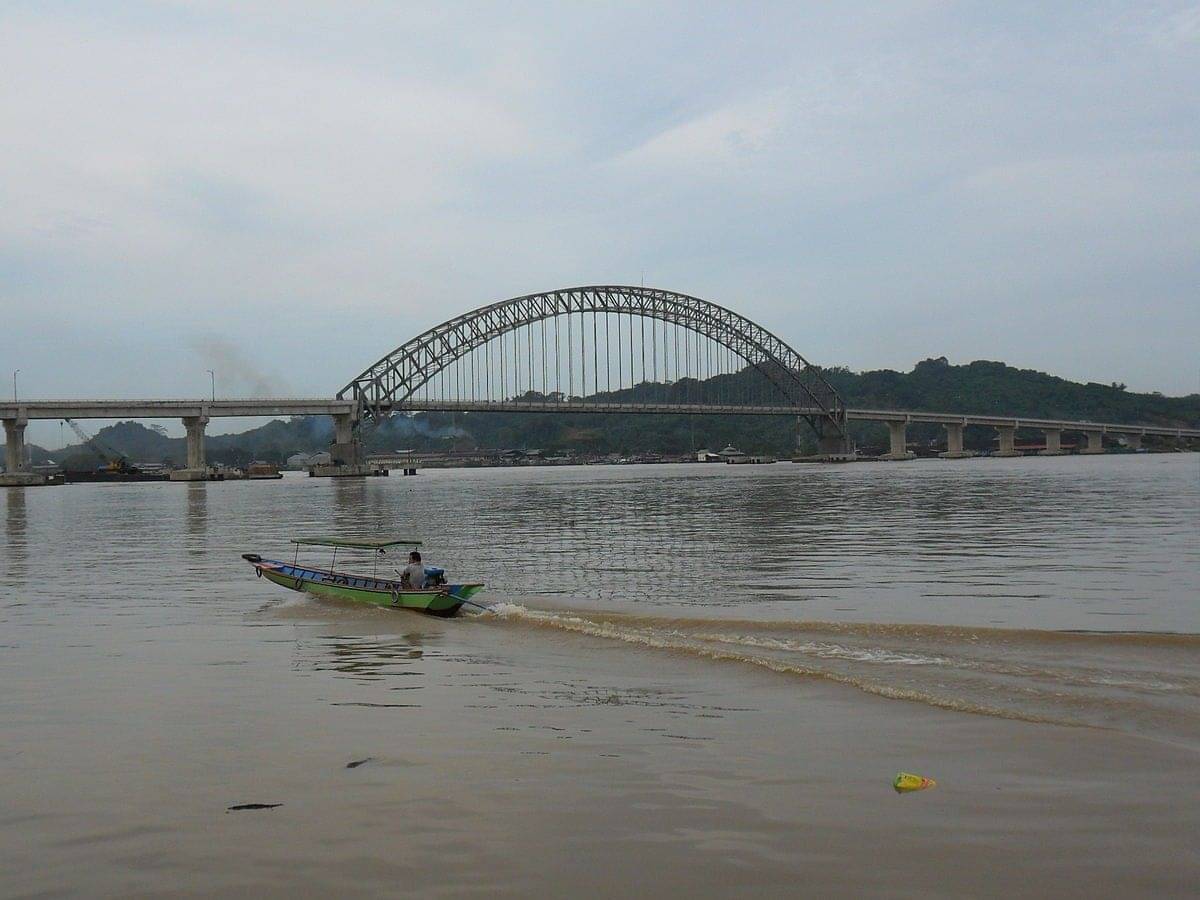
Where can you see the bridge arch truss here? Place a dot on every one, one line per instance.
(406, 379)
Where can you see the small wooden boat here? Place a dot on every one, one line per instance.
(435, 597)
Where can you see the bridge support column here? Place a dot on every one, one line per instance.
(197, 467)
(1053, 442)
(16, 470)
(1008, 440)
(346, 456)
(345, 450)
(14, 445)
(834, 446)
(954, 442)
(830, 448)
(898, 441)
(1095, 442)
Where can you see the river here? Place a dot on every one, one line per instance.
(699, 679)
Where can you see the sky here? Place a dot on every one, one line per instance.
(284, 192)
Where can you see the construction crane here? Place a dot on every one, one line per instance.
(115, 460)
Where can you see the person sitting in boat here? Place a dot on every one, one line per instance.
(413, 576)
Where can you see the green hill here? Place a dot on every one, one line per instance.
(273, 442)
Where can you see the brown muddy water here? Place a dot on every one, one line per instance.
(700, 681)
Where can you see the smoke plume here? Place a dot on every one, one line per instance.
(235, 372)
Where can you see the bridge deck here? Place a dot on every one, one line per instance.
(170, 409)
(153, 409)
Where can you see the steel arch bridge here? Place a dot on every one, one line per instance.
(698, 358)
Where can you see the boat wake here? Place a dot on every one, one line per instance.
(1146, 684)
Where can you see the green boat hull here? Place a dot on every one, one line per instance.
(445, 601)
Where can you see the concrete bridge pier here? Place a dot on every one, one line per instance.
(833, 444)
(345, 451)
(16, 470)
(197, 467)
(346, 454)
(1053, 442)
(1095, 442)
(898, 440)
(954, 442)
(1008, 440)
(834, 447)
(14, 445)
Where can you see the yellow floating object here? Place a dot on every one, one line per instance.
(906, 782)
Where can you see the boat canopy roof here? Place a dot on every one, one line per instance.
(378, 543)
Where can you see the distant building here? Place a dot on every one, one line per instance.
(304, 460)
(152, 467)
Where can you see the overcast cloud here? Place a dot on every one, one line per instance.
(301, 187)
